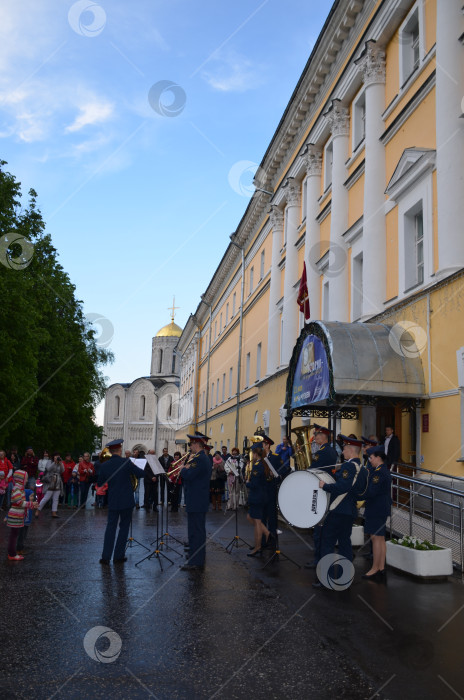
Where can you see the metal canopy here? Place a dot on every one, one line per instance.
(368, 363)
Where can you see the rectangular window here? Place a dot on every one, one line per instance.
(419, 232)
(258, 362)
(215, 330)
(234, 299)
(217, 393)
(252, 272)
(247, 372)
(212, 395)
(411, 43)
(261, 265)
(220, 324)
(304, 197)
(359, 120)
(231, 374)
(227, 314)
(414, 246)
(326, 306)
(357, 292)
(328, 161)
(223, 387)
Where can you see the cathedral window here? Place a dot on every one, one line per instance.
(142, 407)
(160, 360)
(117, 406)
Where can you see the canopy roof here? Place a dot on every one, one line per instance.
(364, 360)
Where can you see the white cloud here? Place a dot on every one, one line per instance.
(231, 72)
(93, 112)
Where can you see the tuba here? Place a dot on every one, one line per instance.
(303, 455)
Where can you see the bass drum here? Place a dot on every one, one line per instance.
(301, 501)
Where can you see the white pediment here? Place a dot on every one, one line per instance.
(412, 165)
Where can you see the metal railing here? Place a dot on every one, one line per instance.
(429, 511)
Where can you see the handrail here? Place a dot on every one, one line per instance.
(426, 484)
(408, 484)
(429, 471)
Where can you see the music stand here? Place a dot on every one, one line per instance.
(278, 552)
(131, 540)
(167, 533)
(157, 553)
(236, 540)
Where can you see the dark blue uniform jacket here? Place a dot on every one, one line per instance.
(257, 484)
(325, 456)
(344, 478)
(116, 471)
(196, 483)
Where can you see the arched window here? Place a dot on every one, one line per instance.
(169, 407)
(173, 369)
(160, 360)
(117, 406)
(142, 406)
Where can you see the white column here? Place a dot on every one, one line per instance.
(372, 66)
(337, 273)
(290, 310)
(313, 162)
(450, 136)
(273, 330)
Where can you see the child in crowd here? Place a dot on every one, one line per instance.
(3, 487)
(73, 498)
(101, 493)
(39, 491)
(15, 517)
(29, 493)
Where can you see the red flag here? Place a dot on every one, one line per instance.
(303, 296)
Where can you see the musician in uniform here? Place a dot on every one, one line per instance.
(350, 480)
(378, 503)
(196, 476)
(256, 486)
(325, 458)
(117, 472)
(269, 517)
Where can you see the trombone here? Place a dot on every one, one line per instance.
(188, 456)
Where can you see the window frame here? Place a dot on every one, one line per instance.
(406, 67)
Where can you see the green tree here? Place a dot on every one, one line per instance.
(50, 362)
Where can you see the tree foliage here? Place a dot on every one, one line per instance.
(50, 361)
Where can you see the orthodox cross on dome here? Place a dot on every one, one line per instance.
(173, 308)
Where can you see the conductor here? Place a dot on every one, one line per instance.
(196, 476)
(116, 472)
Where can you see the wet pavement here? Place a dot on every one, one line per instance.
(74, 629)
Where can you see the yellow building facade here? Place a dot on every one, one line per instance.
(363, 183)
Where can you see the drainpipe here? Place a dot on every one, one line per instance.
(209, 356)
(239, 363)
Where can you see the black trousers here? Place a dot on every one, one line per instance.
(123, 517)
(197, 538)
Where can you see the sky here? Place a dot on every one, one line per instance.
(140, 125)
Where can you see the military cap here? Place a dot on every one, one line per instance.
(351, 441)
(321, 429)
(114, 443)
(367, 441)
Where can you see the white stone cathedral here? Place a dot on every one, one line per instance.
(144, 412)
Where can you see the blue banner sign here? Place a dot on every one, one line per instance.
(311, 382)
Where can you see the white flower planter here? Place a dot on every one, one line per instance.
(418, 562)
(357, 536)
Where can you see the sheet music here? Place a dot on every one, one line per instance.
(140, 463)
(155, 465)
(271, 467)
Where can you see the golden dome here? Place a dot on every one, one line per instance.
(172, 330)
